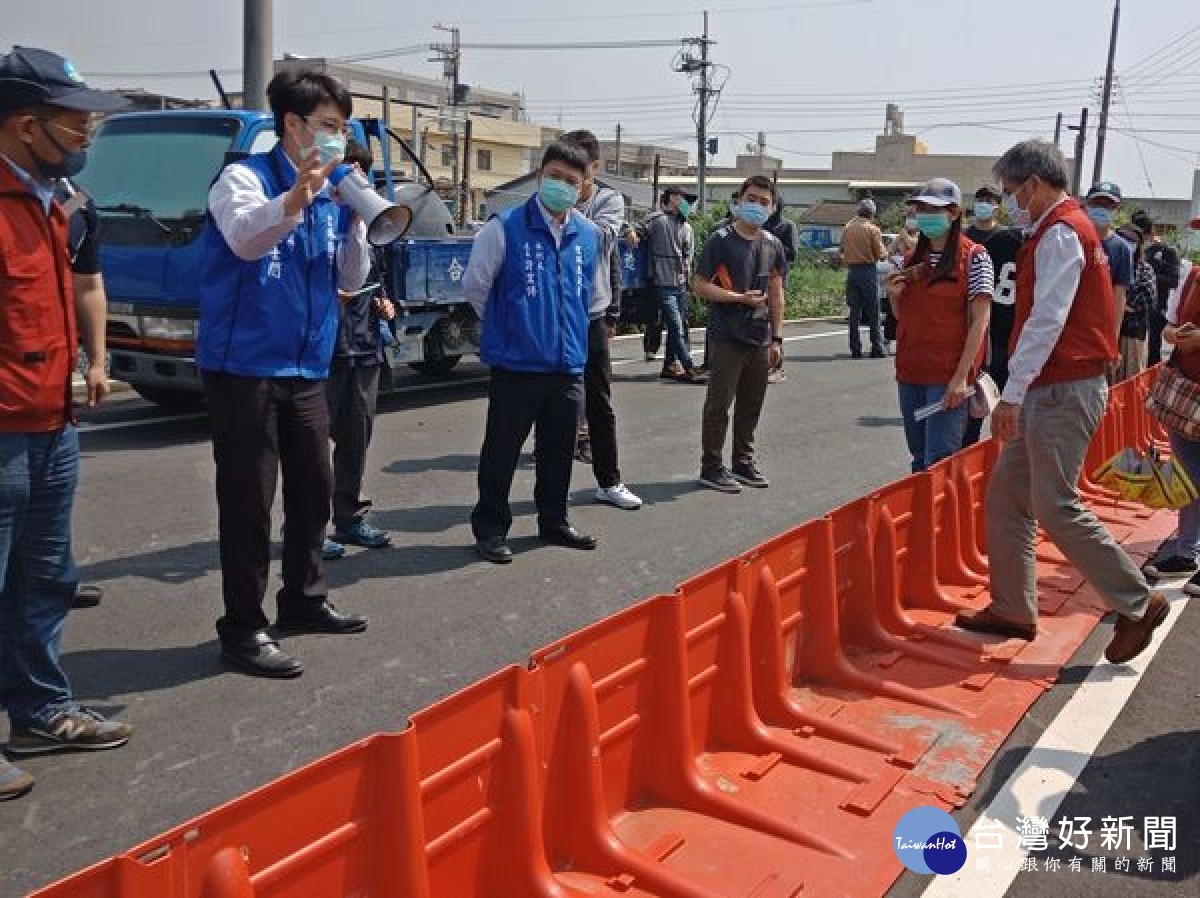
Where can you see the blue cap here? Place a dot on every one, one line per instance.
(29, 75)
(1106, 189)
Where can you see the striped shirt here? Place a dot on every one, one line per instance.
(980, 278)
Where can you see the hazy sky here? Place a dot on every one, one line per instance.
(815, 75)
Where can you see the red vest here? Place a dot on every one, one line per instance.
(1189, 310)
(932, 328)
(37, 311)
(1089, 337)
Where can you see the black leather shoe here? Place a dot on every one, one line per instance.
(567, 536)
(260, 656)
(321, 617)
(494, 549)
(87, 595)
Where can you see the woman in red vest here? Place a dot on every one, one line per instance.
(942, 301)
(1183, 332)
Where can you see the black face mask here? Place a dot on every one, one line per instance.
(69, 166)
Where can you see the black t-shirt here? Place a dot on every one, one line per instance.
(1002, 245)
(82, 229)
(1165, 262)
(731, 261)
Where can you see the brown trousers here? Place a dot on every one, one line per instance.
(737, 377)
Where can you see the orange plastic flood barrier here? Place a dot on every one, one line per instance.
(757, 733)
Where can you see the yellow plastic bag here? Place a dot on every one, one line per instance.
(1147, 478)
(1129, 473)
(1172, 488)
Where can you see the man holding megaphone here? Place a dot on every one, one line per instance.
(279, 251)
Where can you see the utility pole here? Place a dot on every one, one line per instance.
(618, 148)
(1080, 144)
(464, 191)
(1057, 129)
(1106, 99)
(258, 57)
(450, 55)
(654, 182)
(702, 68)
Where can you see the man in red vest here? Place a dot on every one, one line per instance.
(45, 127)
(1064, 334)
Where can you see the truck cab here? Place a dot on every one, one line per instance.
(149, 175)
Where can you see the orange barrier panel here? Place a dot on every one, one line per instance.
(331, 828)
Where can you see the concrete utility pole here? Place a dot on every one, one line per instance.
(1080, 144)
(618, 149)
(258, 55)
(464, 191)
(1057, 129)
(450, 56)
(1106, 99)
(702, 68)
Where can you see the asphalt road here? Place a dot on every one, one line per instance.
(440, 619)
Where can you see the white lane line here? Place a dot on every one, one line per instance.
(1037, 788)
(700, 349)
(413, 388)
(121, 425)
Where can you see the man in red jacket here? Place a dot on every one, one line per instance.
(45, 127)
(1064, 334)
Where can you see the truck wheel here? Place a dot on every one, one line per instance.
(171, 398)
(436, 367)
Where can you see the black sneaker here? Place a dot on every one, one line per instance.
(1192, 587)
(1170, 568)
(750, 476)
(77, 729)
(721, 480)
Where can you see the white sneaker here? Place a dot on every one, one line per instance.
(618, 495)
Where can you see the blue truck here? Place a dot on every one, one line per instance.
(149, 174)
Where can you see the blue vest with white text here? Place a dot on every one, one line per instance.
(536, 318)
(276, 316)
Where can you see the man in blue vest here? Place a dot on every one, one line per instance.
(277, 250)
(530, 279)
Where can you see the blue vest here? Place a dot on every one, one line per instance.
(276, 316)
(536, 318)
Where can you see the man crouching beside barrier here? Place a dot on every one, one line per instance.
(1064, 334)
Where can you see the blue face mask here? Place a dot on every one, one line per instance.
(984, 211)
(1100, 216)
(329, 146)
(685, 208)
(557, 196)
(752, 214)
(933, 224)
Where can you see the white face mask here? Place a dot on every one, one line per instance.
(1017, 215)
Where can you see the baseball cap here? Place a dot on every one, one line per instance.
(866, 207)
(678, 191)
(938, 192)
(1106, 189)
(29, 75)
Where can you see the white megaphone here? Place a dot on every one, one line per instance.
(385, 221)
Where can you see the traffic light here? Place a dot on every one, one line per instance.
(711, 146)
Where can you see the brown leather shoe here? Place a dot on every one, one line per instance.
(987, 621)
(1130, 637)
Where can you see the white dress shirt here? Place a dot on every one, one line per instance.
(253, 225)
(487, 255)
(1057, 264)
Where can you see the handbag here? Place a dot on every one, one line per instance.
(983, 401)
(1175, 400)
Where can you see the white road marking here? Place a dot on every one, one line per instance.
(1037, 788)
(413, 388)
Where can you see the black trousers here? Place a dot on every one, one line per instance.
(518, 402)
(259, 426)
(601, 419)
(1158, 323)
(353, 391)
